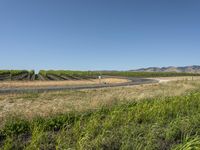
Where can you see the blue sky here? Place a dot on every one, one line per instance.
(98, 34)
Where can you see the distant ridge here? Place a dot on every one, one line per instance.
(188, 69)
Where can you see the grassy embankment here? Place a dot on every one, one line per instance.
(163, 121)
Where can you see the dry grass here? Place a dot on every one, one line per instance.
(15, 84)
(44, 104)
(166, 79)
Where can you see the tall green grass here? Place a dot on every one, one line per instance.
(151, 124)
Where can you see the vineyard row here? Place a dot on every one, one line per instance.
(79, 75)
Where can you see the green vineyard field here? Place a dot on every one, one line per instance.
(79, 75)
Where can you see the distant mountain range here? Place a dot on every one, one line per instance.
(191, 69)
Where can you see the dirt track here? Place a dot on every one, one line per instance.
(133, 81)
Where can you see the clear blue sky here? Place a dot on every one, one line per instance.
(98, 34)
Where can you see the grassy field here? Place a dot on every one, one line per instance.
(44, 104)
(32, 84)
(159, 116)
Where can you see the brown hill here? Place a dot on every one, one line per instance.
(190, 69)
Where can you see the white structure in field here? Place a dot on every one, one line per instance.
(99, 79)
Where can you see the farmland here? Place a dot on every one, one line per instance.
(57, 75)
(147, 74)
(17, 75)
(67, 75)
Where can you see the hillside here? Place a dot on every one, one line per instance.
(188, 69)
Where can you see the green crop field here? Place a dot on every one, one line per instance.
(147, 74)
(12, 72)
(16, 74)
(67, 74)
(79, 75)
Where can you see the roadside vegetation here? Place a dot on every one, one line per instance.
(159, 116)
(157, 123)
